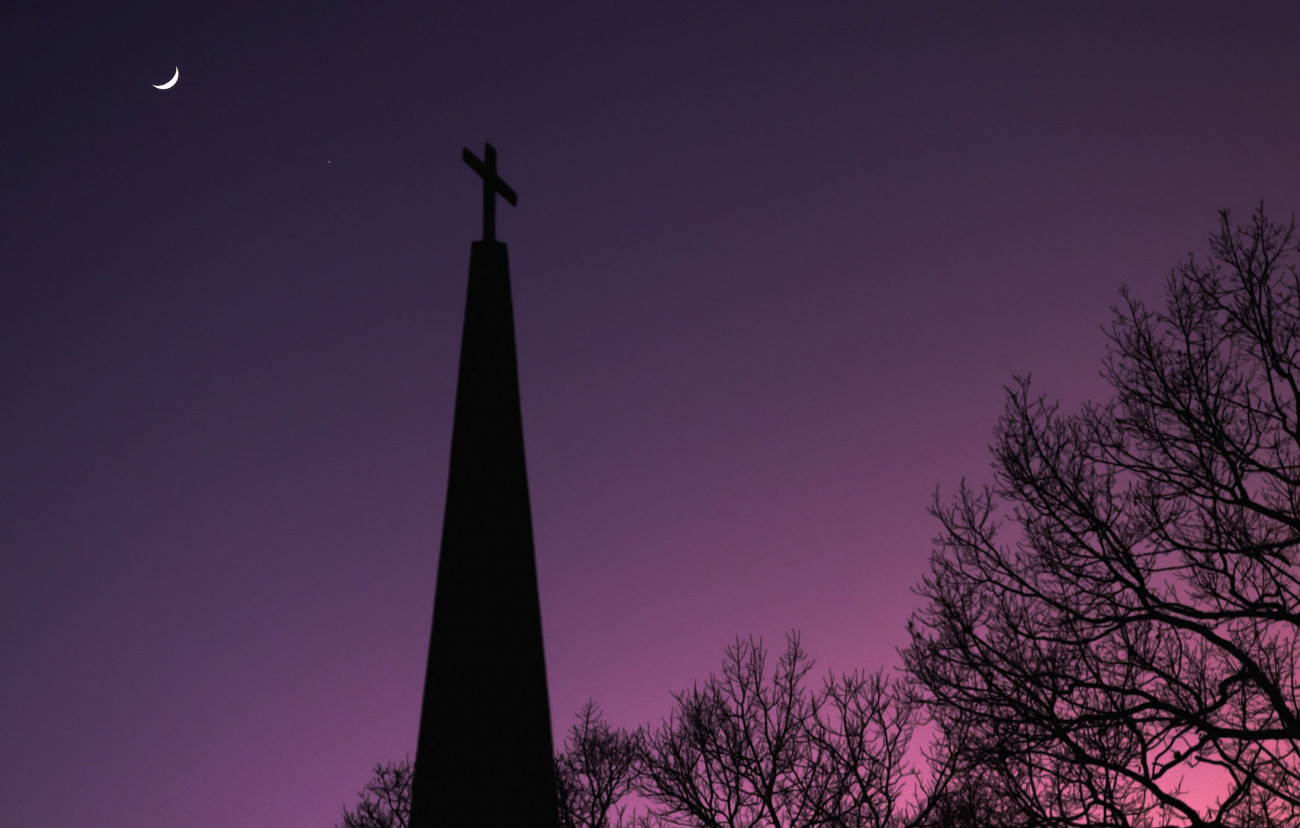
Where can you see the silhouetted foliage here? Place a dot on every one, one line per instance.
(595, 771)
(972, 803)
(1126, 654)
(385, 800)
(752, 748)
(967, 791)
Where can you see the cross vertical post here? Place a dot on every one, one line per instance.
(492, 186)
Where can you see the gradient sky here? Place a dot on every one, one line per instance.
(772, 268)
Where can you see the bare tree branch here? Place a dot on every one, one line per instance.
(385, 800)
(754, 747)
(595, 772)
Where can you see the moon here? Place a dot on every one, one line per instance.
(169, 84)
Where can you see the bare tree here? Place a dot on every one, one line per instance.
(1113, 622)
(973, 801)
(967, 788)
(595, 771)
(385, 800)
(749, 749)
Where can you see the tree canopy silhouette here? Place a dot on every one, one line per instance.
(754, 747)
(595, 772)
(385, 800)
(1112, 623)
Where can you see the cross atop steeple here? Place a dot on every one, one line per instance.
(492, 185)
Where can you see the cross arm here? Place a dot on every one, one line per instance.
(489, 175)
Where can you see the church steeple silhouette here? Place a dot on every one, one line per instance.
(484, 755)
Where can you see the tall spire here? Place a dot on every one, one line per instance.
(484, 755)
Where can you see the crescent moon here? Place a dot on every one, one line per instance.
(169, 84)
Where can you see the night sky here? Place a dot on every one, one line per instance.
(772, 268)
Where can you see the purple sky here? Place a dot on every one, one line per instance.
(772, 268)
